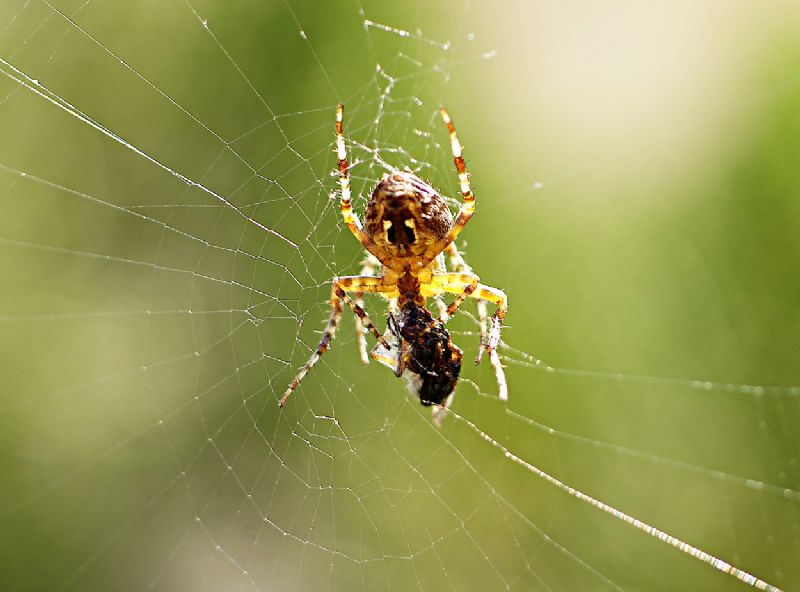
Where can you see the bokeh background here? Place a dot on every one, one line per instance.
(168, 232)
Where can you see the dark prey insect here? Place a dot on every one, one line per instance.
(407, 231)
(425, 354)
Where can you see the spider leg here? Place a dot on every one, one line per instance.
(341, 285)
(484, 333)
(469, 287)
(458, 264)
(356, 283)
(468, 207)
(370, 268)
(462, 284)
(498, 297)
(466, 285)
(350, 218)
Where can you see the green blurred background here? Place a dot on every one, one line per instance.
(636, 168)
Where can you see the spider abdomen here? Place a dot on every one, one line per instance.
(405, 215)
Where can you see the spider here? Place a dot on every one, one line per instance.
(407, 230)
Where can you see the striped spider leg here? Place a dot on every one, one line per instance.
(459, 265)
(341, 285)
(370, 267)
(466, 285)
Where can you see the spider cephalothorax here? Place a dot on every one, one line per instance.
(408, 230)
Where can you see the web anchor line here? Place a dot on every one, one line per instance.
(652, 531)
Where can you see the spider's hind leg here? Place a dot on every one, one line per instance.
(369, 268)
(327, 337)
(341, 285)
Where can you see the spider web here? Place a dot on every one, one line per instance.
(170, 228)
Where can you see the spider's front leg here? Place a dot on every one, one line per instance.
(350, 218)
(468, 207)
(341, 286)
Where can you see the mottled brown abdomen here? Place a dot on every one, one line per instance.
(405, 216)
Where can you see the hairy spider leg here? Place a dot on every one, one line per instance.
(465, 293)
(341, 285)
(468, 207)
(458, 264)
(440, 267)
(466, 285)
(352, 221)
(498, 297)
(370, 267)
(350, 217)
(458, 160)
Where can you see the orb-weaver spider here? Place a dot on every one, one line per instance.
(407, 229)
